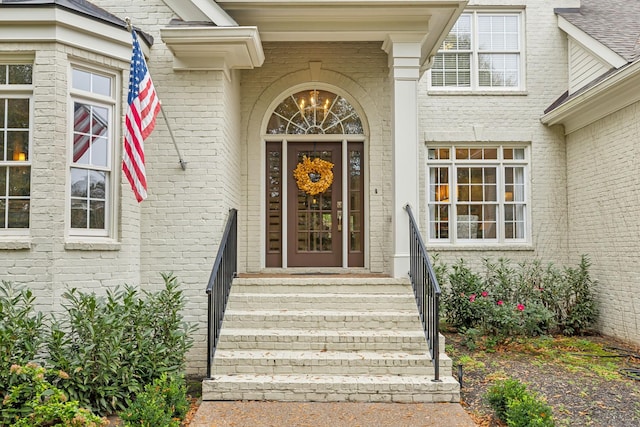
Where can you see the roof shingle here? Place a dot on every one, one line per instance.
(614, 23)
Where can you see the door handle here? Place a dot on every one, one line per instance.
(339, 214)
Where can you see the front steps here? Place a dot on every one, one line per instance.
(325, 339)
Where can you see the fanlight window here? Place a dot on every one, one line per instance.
(314, 112)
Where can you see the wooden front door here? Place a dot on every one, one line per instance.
(315, 224)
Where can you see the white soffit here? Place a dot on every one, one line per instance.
(213, 48)
(344, 20)
(594, 46)
(50, 24)
(201, 10)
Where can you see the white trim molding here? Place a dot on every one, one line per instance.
(201, 10)
(214, 48)
(614, 93)
(49, 24)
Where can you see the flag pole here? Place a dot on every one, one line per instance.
(183, 164)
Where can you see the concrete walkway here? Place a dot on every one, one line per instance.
(347, 414)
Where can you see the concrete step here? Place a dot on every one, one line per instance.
(316, 301)
(275, 362)
(332, 388)
(321, 285)
(321, 319)
(322, 339)
(325, 339)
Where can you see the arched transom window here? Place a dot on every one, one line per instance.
(314, 112)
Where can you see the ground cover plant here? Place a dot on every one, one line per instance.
(109, 348)
(584, 380)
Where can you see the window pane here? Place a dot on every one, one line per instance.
(79, 183)
(18, 213)
(3, 181)
(3, 76)
(81, 80)
(439, 221)
(97, 185)
(18, 113)
(20, 74)
(18, 146)
(78, 213)
(499, 70)
(2, 111)
(3, 213)
(101, 85)
(19, 181)
(96, 214)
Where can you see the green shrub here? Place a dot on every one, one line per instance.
(526, 300)
(162, 403)
(114, 345)
(21, 330)
(33, 401)
(572, 299)
(529, 411)
(464, 286)
(518, 407)
(502, 392)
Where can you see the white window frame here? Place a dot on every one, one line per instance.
(20, 91)
(435, 196)
(475, 52)
(109, 103)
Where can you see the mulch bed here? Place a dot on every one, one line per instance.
(578, 397)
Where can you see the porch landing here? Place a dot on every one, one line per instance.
(326, 338)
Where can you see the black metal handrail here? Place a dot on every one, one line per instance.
(224, 270)
(426, 290)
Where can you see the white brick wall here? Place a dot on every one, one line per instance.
(603, 183)
(455, 118)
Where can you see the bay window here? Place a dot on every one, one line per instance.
(15, 138)
(477, 194)
(483, 51)
(91, 155)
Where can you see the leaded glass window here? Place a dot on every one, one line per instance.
(314, 112)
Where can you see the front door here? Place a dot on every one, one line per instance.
(315, 223)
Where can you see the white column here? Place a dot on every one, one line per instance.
(404, 63)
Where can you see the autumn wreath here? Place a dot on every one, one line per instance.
(313, 176)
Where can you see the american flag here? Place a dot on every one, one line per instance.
(140, 120)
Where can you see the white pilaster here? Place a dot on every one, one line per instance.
(404, 63)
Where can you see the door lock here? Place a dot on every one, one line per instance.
(339, 214)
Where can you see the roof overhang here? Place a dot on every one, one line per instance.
(203, 47)
(614, 93)
(313, 21)
(591, 44)
(201, 10)
(56, 24)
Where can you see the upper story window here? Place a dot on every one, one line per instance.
(315, 112)
(478, 194)
(15, 137)
(92, 100)
(483, 51)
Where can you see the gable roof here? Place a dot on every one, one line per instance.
(80, 7)
(614, 23)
